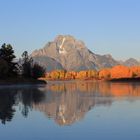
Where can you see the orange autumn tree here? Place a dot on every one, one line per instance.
(135, 70)
(87, 74)
(104, 74)
(70, 75)
(62, 74)
(56, 74)
(92, 74)
(82, 75)
(117, 72)
(121, 71)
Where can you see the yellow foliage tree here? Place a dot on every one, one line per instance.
(135, 70)
(121, 71)
(104, 74)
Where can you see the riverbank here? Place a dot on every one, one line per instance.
(126, 80)
(136, 79)
(22, 81)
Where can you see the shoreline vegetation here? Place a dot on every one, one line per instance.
(19, 72)
(126, 80)
(117, 73)
(26, 71)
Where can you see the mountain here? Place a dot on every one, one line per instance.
(68, 53)
(131, 62)
(48, 62)
(65, 52)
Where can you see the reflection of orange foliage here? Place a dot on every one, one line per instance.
(104, 89)
(121, 72)
(57, 88)
(123, 91)
(119, 90)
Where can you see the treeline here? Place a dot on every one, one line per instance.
(120, 72)
(25, 67)
(69, 75)
(116, 72)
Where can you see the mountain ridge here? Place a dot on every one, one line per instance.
(68, 53)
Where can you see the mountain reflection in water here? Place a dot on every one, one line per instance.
(65, 102)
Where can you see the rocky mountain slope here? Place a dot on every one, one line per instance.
(65, 52)
(131, 62)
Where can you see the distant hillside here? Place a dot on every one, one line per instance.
(131, 62)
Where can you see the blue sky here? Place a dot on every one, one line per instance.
(106, 26)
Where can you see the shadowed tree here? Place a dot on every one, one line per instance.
(38, 71)
(7, 54)
(31, 69)
(27, 63)
(3, 68)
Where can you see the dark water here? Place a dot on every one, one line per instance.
(71, 111)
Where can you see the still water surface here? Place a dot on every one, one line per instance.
(70, 111)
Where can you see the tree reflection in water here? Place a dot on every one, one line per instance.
(11, 97)
(65, 102)
(7, 100)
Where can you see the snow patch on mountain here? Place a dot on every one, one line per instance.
(61, 47)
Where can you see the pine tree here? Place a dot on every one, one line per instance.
(7, 54)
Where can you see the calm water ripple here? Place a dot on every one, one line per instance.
(70, 110)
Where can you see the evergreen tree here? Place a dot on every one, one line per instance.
(27, 63)
(7, 54)
(31, 69)
(38, 71)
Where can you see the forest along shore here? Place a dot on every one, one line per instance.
(116, 73)
(19, 71)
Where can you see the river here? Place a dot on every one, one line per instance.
(70, 111)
